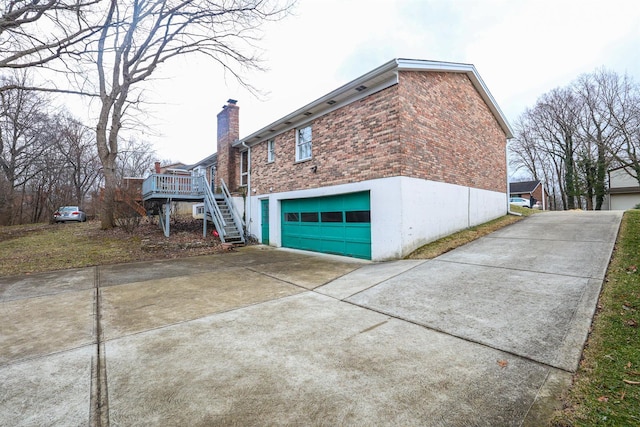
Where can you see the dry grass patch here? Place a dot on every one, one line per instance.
(36, 248)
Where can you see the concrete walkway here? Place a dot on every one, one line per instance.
(485, 335)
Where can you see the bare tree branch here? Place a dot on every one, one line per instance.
(34, 33)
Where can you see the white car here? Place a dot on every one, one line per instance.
(69, 213)
(519, 201)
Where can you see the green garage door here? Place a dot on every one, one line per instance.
(334, 224)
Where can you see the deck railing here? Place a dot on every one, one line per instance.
(174, 186)
(192, 188)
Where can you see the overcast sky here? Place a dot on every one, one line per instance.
(521, 48)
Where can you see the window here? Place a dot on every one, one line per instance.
(309, 217)
(291, 217)
(303, 143)
(271, 151)
(358, 216)
(244, 168)
(331, 216)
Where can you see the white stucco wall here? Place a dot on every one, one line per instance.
(406, 213)
(432, 210)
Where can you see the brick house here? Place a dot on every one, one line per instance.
(410, 152)
(530, 190)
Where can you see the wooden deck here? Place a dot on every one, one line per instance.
(174, 187)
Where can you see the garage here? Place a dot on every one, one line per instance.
(339, 224)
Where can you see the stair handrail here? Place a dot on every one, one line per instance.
(232, 207)
(213, 209)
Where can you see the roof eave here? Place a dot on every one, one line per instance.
(381, 75)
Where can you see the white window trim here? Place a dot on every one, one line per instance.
(271, 151)
(299, 145)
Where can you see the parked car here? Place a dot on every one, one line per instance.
(69, 213)
(519, 201)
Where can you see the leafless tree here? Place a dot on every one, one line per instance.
(108, 49)
(597, 133)
(33, 32)
(23, 134)
(622, 99)
(135, 158)
(529, 153)
(554, 121)
(137, 37)
(77, 149)
(526, 154)
(577, 133)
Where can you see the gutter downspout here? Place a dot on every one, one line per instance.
(247, 207)
(506, 165)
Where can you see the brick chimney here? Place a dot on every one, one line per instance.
(228, 133)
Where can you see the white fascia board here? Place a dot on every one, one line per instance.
(380, 78)
(383, 77)
(297, 121)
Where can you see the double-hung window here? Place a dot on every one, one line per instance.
(271, 151)
(303, 143)
(244, 168)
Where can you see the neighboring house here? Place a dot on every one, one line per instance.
(206, 167)
(172, 169)
(528, 190)
(624, 190)
(176, 169)
(410, 152)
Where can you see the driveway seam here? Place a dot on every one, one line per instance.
(466, 339)
(283, 280)
(52, 294)
(528, 239)
(372, 285)
(99, 401)
(43, 356)
(168, 325)
(520, 269)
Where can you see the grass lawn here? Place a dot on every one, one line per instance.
(606, 388)
(33, 248)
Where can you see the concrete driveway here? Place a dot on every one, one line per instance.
(485, 335)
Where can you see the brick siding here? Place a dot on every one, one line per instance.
(228, 156)
(355, 143)
(432, 126)
(449, 133)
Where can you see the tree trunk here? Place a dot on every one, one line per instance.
(601, 176)
(569, 178)
(108, 196)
